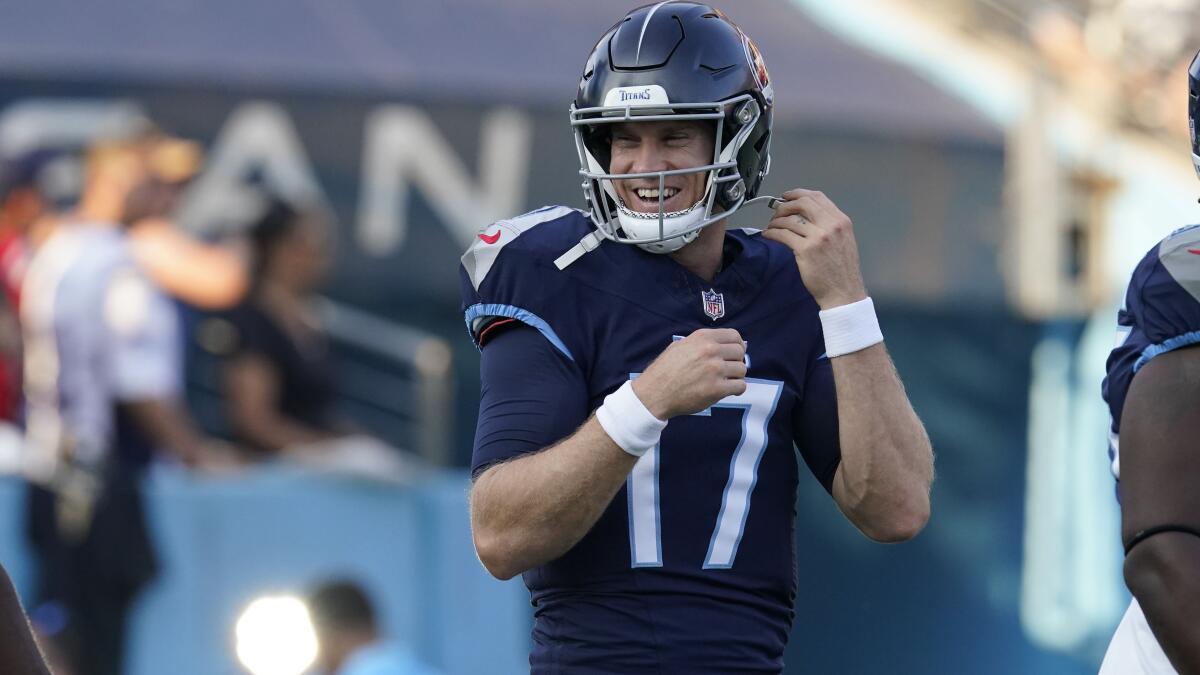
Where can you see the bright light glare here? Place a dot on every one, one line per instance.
(275, 637)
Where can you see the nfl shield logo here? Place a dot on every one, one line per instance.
(714, 304)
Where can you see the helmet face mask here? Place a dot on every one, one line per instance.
(662, 231)
(645, 70)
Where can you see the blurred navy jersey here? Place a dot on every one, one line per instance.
(692, 566)
(1161, 313)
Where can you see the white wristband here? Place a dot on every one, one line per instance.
(627, 421)
(850, 328)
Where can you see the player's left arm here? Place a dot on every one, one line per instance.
(882, 483)
(1160, 472)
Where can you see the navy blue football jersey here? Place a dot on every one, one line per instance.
(1161, 312)
(692, 566)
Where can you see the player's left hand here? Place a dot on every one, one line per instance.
(822, 239)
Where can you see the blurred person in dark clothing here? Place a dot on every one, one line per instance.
(103, 386)
(279, 384)
(350, 641)
(19, 654)
(278, 371)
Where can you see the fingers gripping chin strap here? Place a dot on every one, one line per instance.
(1151, 531)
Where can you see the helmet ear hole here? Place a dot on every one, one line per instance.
(736, 190)
(746, 113)
(597, 141)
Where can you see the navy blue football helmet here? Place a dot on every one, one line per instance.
(673, 60)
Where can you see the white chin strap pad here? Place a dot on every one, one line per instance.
(670, 245)
(638, 227)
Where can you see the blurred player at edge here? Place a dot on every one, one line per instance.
(18, 653)
(1153, 392)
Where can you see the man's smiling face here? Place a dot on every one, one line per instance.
(642, 147)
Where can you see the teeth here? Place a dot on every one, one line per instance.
(652, 193)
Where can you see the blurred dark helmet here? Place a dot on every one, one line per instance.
(25, 170)
(1194, 108)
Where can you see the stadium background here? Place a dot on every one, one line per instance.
(1001, 193)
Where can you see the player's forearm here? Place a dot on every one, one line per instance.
(882, 484)
(533, 509)
(1161, 574)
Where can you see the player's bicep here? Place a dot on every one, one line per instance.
(532, 396)
(1159, 456)
(815, 424)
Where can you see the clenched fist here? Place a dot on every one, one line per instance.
(694, 373)
(822, 239)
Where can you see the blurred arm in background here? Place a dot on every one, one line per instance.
(202, 274)
(170, 428)
(19, 654)
(1160, 472)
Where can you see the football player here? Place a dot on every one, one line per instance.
(648, 546)
(1153, 392)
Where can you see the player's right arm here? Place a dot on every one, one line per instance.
(533, 508)
(1160, 473)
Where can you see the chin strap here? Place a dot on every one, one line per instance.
(590, 242)
(770, 201)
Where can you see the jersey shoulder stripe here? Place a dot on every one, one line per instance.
(1179, 254)
(491, 240)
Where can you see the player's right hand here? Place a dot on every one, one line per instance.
(694, 373)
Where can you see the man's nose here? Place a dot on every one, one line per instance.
(649, 157)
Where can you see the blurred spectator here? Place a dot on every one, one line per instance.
(204, 275)
(278, 384)
(278, 380)
(201, 274)
(103, 380)
(22, 207)
(349, 638)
